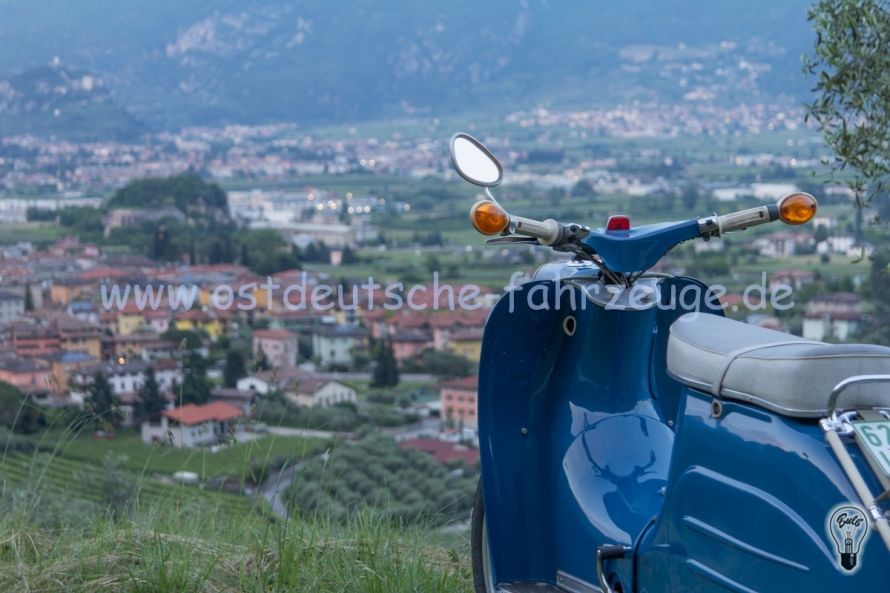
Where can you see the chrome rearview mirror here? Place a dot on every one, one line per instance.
(474, 162)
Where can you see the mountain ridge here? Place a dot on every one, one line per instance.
(206, 62)
(66, 102)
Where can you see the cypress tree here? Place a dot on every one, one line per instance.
(195, 385)
(29, 298)
(234, 369)
(245, 256)
(102, 398)
(386, 373)
(150, 400)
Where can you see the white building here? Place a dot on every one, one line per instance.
(783, 243)
(168, 374)
(844, 245)
(835, 316)
(796, 279)
(302, 387)
(334, 234)
(709, 245)
(772, 191)
(313, 390)
(840, 244)
(278, 345)
(259, 384)
(643, 189)
(829, 222)
(731, 194)
(191, 425)
(780, 244)
(20, 249)
(12, 307)
(263, 382)
(126, 379)
(338, 344)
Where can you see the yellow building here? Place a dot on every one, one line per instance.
(215, 323)
(62, 292)
(468, 343)
(130, 322)
(85, 338)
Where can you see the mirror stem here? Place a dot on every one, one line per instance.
(490, 197)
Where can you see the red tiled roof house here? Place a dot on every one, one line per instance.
(191, 425)
(443, 451)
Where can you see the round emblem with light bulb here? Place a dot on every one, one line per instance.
(848, 526)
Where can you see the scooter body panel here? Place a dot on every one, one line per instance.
(747, 505)
(575, 448)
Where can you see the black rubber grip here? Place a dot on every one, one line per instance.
(611, 551)
(773, 212)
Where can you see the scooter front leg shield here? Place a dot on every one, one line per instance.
(574, 451)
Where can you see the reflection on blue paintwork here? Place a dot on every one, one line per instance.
(541, 488)
(615, 469)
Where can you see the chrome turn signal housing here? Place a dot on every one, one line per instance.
(797, 208)
(488, 218)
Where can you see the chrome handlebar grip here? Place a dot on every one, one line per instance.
(714, 226)
(748, 218)
(547, 232)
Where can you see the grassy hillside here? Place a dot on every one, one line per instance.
(84, 515)
(194, 547)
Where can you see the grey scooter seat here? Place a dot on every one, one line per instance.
(785, 374)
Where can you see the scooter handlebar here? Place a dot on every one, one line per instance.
(794, 208)
(547, 232)
(737, 221)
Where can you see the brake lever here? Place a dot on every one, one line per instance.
(512, 240)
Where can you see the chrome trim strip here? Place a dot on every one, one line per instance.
(567, 582)
(704, 572)
(711, 532)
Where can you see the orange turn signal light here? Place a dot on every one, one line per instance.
(488, 218)
(797, 208)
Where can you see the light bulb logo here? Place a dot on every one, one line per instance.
(848, 527)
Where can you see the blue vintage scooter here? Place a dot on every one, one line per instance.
(634, 439)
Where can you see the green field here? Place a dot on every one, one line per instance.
(40, 233)
(234, 461)
(53, 476)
